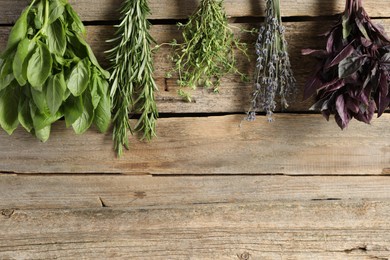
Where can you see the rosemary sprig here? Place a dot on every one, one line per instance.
(208, 49)
(133, 86)
(273, 74)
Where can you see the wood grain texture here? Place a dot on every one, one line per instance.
(127, 217)
(122, 191)
(294, 145)
(178, 9)
(261, 230)
(234, 95)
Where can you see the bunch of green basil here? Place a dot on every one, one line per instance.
(48, 71)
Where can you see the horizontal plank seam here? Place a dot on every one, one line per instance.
(386, 173)
(232, 20)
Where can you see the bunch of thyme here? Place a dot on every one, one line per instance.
(352, 78)
(273, 74)
(132, 80)
(208, 50)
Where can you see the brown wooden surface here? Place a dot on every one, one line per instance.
(92, 10)
(210, 186)
(294, 145)
(128, 217)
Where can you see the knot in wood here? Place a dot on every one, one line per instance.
(7, 212)
(244, 256)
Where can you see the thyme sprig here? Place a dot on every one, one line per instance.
(208, 49)
(132, 83)
(273, 74)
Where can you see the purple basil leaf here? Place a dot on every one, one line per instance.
(385, 60)
(367, 113)
(311, 87)
(346, 52)
(340, 122)
(317, 105)
(317, 53)
(382, 101)
(333, 85)
(330, 41)
(352, 105)
(360, 25)
(342, 110)
(350, 65)
(365, 42)
(326, 114)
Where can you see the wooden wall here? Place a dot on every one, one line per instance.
(211, 186)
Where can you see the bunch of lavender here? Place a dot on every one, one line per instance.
(352, 77)
(273, 73)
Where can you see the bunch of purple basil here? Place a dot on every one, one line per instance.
(352, 78)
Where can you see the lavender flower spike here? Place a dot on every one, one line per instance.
(273, 74)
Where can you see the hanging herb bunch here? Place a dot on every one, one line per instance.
(352, 77)
(133, 86)
(273, 74)
(48, 71)
(208, 50)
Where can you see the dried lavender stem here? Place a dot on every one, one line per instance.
(273, 74)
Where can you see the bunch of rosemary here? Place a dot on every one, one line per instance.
(133, 86)
(352, 78)
(207, 53)
(273, 74)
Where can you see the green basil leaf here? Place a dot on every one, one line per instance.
(38, 18)
(19, 30)
(55, 92)
(39, 99)
(85, 120)
(41, 120)
(82, 50)
(75, 22)
(103, 111)
(56, 38)
(79, 78)
(20, 56)
(6, 67)
(6, 75)
(57, 8)
(73, 108)
(43, 134)
(9, 101)
(94, 91)
(24, 114)
(92, 57)
(39, 66)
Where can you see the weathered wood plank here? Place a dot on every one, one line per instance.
(107, 10)
(78, 192)
(242, 217)
(354, 229)
(293, 144)
(234, 95)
